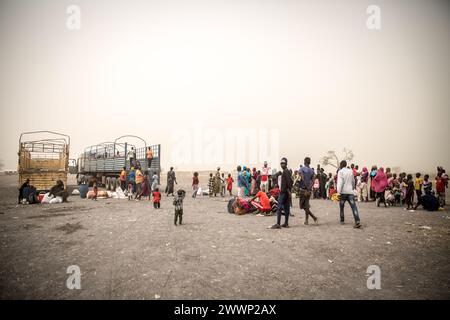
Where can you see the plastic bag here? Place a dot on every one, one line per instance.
(47, 198)
(120, 193)
(56, 200)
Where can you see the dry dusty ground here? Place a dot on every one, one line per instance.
(128, 250)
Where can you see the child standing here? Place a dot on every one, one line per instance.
(156, 198)
(409, 192)
(427, 185)
(440, 189)
(418, 182)
(223, 183)
(316, 187)
(178, 203)
(195, 183)
(230, 181)
(130, 190)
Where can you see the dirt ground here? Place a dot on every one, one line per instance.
(128, 250)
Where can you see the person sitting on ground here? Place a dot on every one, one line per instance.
(390, 197)
(24, 185)
(429, 202)
(29, 195)
(263, 205)
(58, 190)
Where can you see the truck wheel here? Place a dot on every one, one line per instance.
(113, 184)
(107, 183)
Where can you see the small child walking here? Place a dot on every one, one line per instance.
(178, 203)
(156, 198)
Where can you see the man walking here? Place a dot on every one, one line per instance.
(305, 185)
(284, 197)
(346, 189)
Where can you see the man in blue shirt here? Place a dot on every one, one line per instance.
(305, 185)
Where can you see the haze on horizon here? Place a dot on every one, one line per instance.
(310, 70)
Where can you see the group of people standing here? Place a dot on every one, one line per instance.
(137, 183)
(305, 184)
(347, 185)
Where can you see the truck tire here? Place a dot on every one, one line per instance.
(113, 184)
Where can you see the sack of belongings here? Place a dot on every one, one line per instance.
(230, 206)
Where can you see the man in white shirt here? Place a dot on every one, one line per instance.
(346, 189)
(265, 177)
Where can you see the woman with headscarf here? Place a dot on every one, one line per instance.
(363, 192)
(245, 183)
(372, 174)
(145, 187)
(380, 183)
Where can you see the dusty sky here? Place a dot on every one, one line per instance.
(310, 70)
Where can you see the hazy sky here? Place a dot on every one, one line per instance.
(310, 70)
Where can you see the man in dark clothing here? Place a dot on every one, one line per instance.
(428, 201)
(58, 190)
(306, 183)
(26, 184)
(322, 182)
(284, 197)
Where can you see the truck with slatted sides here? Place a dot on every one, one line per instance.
(43, 159)
(104, 161)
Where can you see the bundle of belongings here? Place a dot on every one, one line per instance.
(335, 197)
(262, 203)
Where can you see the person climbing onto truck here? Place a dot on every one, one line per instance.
(132, 157)
(123, 178)
(149, 158)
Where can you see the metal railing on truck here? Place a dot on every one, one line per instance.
(111, 157)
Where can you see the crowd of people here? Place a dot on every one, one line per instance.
(266, 191)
